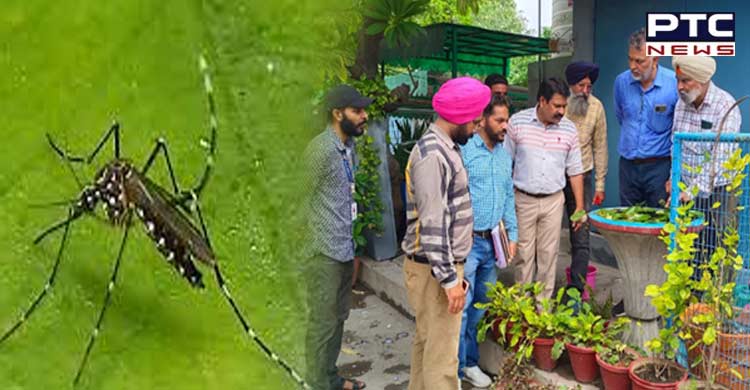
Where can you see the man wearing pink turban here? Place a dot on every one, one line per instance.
(439, 233)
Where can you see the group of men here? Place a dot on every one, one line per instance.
(477, 166)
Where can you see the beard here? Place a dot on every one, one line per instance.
(645, 75)
(689, 96)
(351, 129)
(496, 137)
(462, 134)
(578, 104)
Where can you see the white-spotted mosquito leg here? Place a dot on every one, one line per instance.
(47, 285)
(108, 294)
(241, 318)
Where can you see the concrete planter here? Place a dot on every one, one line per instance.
(641, 256)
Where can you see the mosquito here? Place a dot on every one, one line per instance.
(124, 190)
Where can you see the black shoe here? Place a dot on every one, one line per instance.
(618, 310)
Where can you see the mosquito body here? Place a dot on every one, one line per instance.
(168, 218)
(121, 189)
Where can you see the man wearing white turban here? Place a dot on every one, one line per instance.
(701, 107)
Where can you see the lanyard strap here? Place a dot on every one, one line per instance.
(347, 168)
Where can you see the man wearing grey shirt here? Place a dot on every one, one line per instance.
(332, 210)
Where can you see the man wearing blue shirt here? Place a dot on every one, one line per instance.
(645, 98)
(491, 187)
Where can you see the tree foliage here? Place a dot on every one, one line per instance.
(500, 15)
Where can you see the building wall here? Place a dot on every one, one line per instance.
(615, 20)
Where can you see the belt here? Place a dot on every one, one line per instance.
(535, 195)
(424, 260)
(649, 160)
(486, 234)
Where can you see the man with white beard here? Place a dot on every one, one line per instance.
(701, 107)
(587, 113)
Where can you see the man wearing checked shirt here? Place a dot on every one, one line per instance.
(491, 188)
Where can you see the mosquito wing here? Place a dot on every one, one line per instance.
(161, 206)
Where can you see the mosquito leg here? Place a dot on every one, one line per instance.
(182, 198)
(114, 129)
(253, 335)
(209, 165)
(47, 286)
(200, 220)
(185, 197)
(72, 216)
(210, 145)
(107, 296)
(62, 153)
(245, 325)
(67, 158)
(161, 145)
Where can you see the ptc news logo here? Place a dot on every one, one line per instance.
(690, 33)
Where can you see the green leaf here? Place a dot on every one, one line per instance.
(709, 336)
(578, 215)
(652, 290)
(375, 28)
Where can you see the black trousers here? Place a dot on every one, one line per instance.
(579, 240)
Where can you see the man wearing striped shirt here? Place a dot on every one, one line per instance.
(439, 233)
(544, 147)
(491, 187)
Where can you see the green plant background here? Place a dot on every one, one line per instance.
(70, 68)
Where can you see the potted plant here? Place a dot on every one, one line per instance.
(519, 376)
(546, 326)
(585, 332)
(706, 318)
(670, 300)
(613, 359)
(506, 311)
(699, 326)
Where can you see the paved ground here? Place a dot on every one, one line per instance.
(378, 335)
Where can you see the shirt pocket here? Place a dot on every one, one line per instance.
(661, 122)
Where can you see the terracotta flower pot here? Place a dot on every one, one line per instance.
(496, 331)
(613, 377)
(733, 347)
(583, 361)
(637, 368)
(543, 354)
(725, 376)
(508, 335)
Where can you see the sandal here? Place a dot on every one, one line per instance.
(355, 384)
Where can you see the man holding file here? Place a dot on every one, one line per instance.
(489, 167)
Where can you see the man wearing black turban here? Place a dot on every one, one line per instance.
(587, 113)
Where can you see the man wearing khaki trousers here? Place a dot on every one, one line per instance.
(544, 147)
(439, 233)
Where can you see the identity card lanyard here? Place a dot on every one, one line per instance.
(350, 177)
